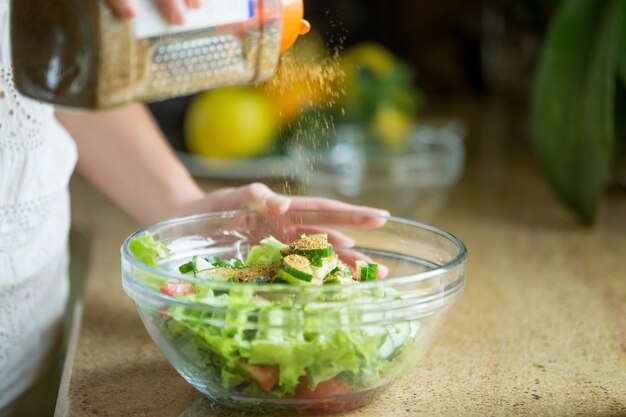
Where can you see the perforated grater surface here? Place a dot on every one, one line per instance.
(217, 58)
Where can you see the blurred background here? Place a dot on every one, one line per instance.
(456, 48)
(382, 97)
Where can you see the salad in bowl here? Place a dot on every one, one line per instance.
(304, 312)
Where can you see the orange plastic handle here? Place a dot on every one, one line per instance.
(294, 24)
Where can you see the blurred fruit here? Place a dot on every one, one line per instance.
(301, 95)
(365, 56)
(370, 55)
(232, 122)
(302, 80)
(380, 94)
(391, 126)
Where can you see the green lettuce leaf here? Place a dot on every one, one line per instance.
(251, 330)
(267, 252)
(147, 250)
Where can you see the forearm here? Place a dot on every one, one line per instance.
(123, 153)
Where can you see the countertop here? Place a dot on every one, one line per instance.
(540, 330)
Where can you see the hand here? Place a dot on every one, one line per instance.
(259, 197)
(173, 10)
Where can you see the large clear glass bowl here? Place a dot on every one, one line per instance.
(363, 337)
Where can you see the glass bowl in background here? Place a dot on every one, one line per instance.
(413, 182)
(258, 347)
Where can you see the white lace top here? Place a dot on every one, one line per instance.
(37, 158)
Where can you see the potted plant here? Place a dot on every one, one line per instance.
(579, 101)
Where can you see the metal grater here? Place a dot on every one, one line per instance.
(217, 58)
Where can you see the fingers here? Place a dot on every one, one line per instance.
(194, 4)
(124, 8)
(362, 220)
(349, 257)
(255, 196)
(319, 203)
(372, 218)
(260, 197)
(172, 10)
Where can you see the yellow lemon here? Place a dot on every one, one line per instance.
(303, 79)
(301, 94)
(233, 122)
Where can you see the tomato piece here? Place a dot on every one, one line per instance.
(181, 288)
(324, 397)
(329, 388)
(265, 375)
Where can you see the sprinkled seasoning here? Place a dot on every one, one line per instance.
(321, 84)
(256, 272)
(307, 242)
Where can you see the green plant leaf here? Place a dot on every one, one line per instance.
(620, 100)
(620, 123)
(573, 101)
(621, 58)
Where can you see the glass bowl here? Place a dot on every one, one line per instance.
(291, 348)
(351, 165)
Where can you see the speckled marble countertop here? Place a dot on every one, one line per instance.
(540, 330)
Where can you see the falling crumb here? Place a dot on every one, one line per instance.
(322, 81)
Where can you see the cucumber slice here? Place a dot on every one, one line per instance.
(387, 348)
(327, 265)
(282, 275)
(218, 274)
(197, 263)
(398, 334)
(201, 264)
(298, 266)
(372, 272)
(186, 268)
(229, 263)
(316, 261)
(315, 253)
(313, 247)
(366, 271)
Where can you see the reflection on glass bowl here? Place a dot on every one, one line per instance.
(413, 182)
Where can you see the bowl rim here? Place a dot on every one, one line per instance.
(448, 266)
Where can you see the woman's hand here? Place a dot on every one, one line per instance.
(259, 197)
(173, 10)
